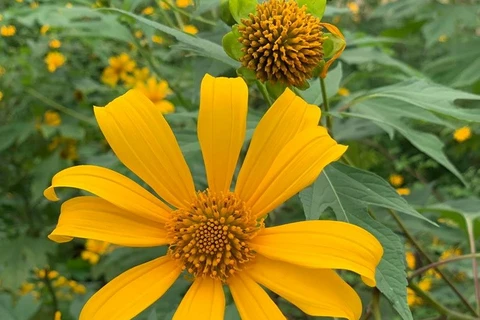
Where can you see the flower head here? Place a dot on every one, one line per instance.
(281, 42)
(1, 95)
(148, 11)
(139, 75)
(44, 29)
(344, 92)
(190, 28)
(119, 67)
(184, 3)
(54, 60)
(156, 91)
(462, 134)
(403, 191)
(216, 235)
(55, 44)
(8, 31)
(396, 180)
(52, 118)
(157, 39)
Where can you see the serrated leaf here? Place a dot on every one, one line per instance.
(348, 192)
(339, 182)
(201, 46)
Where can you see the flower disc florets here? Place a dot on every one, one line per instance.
(281, 42)
(211, 236)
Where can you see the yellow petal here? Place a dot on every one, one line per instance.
(111, 186)
(296, 166)
(142, 139)
(98, 219)
(252, 301)
(288, 116)
(334, 30)
(318, 292)
(133, 291)
(222, 122)
(204, 300)
(322, 244)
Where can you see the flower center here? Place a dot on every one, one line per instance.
(281, 42)
(211, 236)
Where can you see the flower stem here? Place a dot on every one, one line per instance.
(414, 242)
(471, 240)
(48, 283)
(326, 106)
(264, 92)
(376, 304)
(421, 270)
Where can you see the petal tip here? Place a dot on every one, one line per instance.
(59, 238)
(50, 194)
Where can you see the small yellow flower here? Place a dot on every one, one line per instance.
(26, 287)
(344, 92)
(52, 118)
(1, 95)
(100, 247)
(8, 31)
(157, 39)
(69, 5)
(157, 91)
(396, 180)
(148, 11)
(55, 44)
(91, 257)
(190, 28)
(58, 315)
(241, 252)
(34, 5)
(53, 274)
(443, 38)
(139, 75)
(412, 299)
(19, 1)
(54, 60)
(138, 34)
(2, 70)
(403, 191)
(353, 7)
(462, 134)
(119, 67)
(450, 253)
(411, 260)
(184, 3)
(60, 282)
(79, 289)
(44, 29)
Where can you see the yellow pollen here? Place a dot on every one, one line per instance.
(281, 42)
(211, 237)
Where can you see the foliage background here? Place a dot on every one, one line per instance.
(409, 78)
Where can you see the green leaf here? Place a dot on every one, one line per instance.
(313, 94)
(19, 256)
(26, 307)
(315, 7)
(429, 96)
(240, 9)
(231, 45)
(425, 142)
(200, 46)
(348, 192)
(6, 307)
(339, 182)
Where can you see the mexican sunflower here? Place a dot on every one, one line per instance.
(217, 236)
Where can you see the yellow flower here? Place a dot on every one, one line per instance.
(139, 75)
(157, 39)
(60, 282)
(462, 134)
(156, 91)
(148, 11)
(69, 5)
(34, 5)
(216, 235)
(100, 247)
(119, 67)
(91, 257)
(54, 60)
(2, 70)
(58, 315)
(396, 180)
(79, 289)
(138, 34)
(403, 191)
(344, 92)
(450, 253)
(52, 118)
(190, 28)
(443, 38)
(412, 299)
(8, 31)
(184, 3)
(19, 1)
(1, 95)
(26, 288)
(42, 272)
(55, 44)
(411, 260)
(165, 5)
(353, 7)
(44, 29)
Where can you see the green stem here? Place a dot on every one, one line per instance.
(59, 107)
(437, 306)
(473, 250)
(430, 260)
(52, 291)
(264, 92)
(421, 270)
(376, 304)
(326, 106)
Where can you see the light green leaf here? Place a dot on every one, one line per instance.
(339, 182)
(240, 9)
(231, 45)
(6, 307)
(315, 7)
(200, 46)
(26, 307)
(348, 192)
